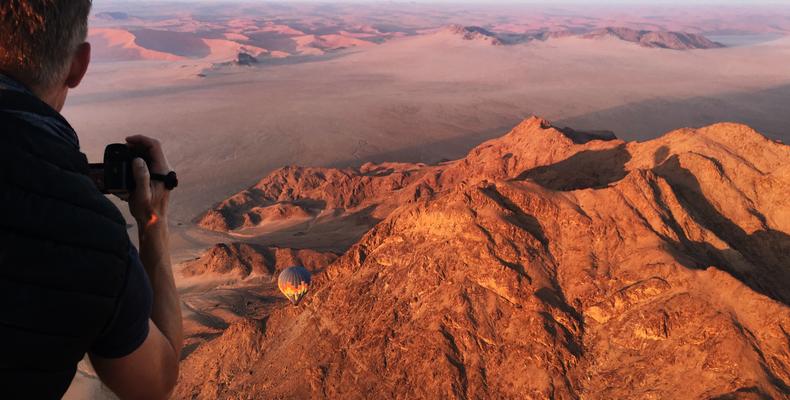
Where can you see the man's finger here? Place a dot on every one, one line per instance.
(142, 182)
(145, 142)
(142, 140)
(151, 146)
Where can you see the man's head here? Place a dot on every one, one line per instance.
(42, 45)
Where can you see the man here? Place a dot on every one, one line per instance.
(71, 283)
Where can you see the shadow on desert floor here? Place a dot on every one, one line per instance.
(764, 110)
(198, 84)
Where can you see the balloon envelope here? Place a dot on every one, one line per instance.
(294, 282)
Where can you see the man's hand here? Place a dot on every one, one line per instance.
(149, 201)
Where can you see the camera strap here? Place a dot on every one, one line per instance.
(170, 180)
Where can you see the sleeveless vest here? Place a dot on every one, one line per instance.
(64, 254)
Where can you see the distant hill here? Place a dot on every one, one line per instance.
(113, 16)
(475, 33)
(652, 39)
(657, 39)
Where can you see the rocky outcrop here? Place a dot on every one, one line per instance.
(475, 33)
(548, 264)
(245, 59)
(299, 193)
(657, 39)
(240, 346)
(244, 260)
(644, 38)
(293, 194)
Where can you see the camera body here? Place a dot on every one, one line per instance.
(115, 176)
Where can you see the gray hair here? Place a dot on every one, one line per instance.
(38, 39)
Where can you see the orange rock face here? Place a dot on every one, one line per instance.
(302, 193)
(545, 264)
(244, 260)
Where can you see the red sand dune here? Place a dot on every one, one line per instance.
(182, 44)
(223, 50)
(339, 41)
(236, 36)
(120, 45)
(281, 29)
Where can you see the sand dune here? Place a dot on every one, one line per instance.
(241, 23)
(280, 29)
(307, 45)
(120, 45)
(223, 50)
(112, 45)
(175, 29)
(318, 45)
(182, 44)
(342, 41)
(236, 36)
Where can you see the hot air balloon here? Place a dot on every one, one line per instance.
(294, 282)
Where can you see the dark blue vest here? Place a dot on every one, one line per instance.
(64, 251)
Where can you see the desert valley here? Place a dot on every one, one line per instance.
(496, 201)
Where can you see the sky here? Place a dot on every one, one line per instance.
(547, 2)
(624, 2)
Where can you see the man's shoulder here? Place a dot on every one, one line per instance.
(36, 158)
(47, 193)
(23, 131)
(58, 230)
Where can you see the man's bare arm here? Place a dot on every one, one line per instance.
(149, 206)
(151, 371)
(155, 255)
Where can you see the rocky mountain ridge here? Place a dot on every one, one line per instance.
(545, 264)
(644, 38)
(297, 193)
(475, 33)
(657, 39)
(245, 260)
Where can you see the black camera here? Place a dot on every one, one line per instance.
(114, 176)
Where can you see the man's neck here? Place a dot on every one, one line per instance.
(53, 98)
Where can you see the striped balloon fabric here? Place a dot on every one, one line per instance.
(294, 282)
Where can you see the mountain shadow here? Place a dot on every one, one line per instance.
(766, 249)
(584, 170)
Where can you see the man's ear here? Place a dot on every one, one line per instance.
(79, 65)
